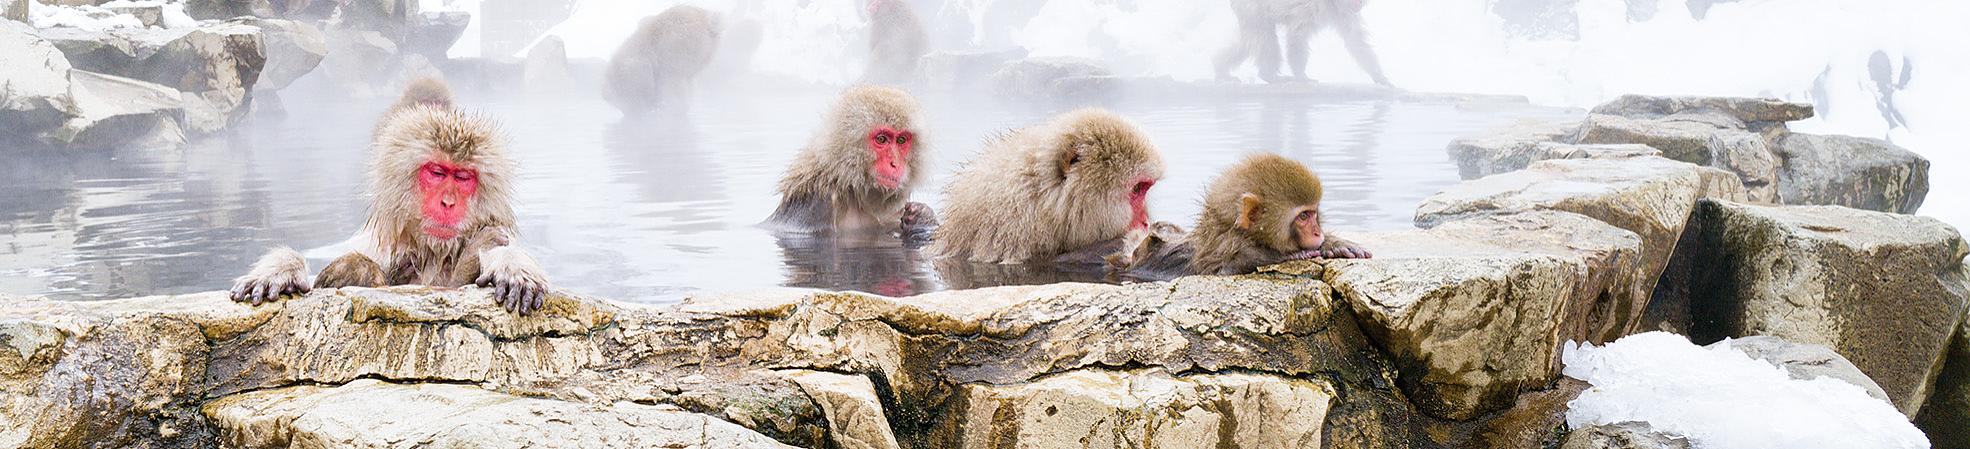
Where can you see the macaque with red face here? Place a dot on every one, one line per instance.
(441, 215)
(1263, 211)
(1057, 193)
(859, 171)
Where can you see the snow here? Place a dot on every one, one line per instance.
(101, 18)
(1721, 398)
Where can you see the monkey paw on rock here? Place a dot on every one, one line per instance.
(281, 272)
(516, 279)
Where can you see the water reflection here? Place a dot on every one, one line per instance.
(653, 208)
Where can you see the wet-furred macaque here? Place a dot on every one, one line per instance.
(441, 215)
(1043, 193)
(424, 91)
(896, 42)
(1263, 211)
(858, 172)
(1259, 22)
(656, 65)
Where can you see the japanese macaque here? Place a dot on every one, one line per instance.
(656, 65)
(441, 216)
(896, 42)
(1263, 211)
(859, 171)
(1047, 192)
(1259, 22)
(426, 91)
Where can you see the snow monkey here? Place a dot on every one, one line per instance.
(427, 91)
(1263, 211)
(896, 42)
(1258, 24)
(1038, 193)
(656, 65)
(859, 170)
(441, 216)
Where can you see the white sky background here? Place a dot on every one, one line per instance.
(1749, 48)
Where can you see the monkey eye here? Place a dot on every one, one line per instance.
(1306, 215)
(435, 170)
(464, 175)
(882, 138)
(902, 138)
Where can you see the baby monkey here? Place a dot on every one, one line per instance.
(1263, 211)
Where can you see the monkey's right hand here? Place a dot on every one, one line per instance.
(918, 217)
(516, 279)
(280, 272)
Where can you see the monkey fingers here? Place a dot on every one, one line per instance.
(918, 220)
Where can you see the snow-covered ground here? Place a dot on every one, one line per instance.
(102, 18)
(1719, 397)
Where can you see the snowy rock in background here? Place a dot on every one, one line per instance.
(1626, 435)
(150, 14)
(46, 102)
(432, 33)
(1719, 397)
(35, 98)
(293, 49)
(546, 69)
(227, 9)
(1857, 172)
(1040, 77)
(963, 70)
(14, 10)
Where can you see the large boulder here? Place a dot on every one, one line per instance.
(1857, 172)
(1702, 137)
(854, 411)
(1044, 77)
(227, 9)
(46, 103)
(371, 414)
(546, 70)
(15, 10)
(101, 51)
(361, 62)
(964, 70)
(1146, 409)
(1886, 291)
(433, 33)
(215, 65)
(1622, 435)
(1748, 110)
(1515, 287)
(293, 49)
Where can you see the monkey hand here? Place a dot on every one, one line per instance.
(516, 279)
(1341, 249)
(918, 222)
(280, 272)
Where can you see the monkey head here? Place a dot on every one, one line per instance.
(437, 173)
(1272, 200)
(1099, 155)
(875, 129)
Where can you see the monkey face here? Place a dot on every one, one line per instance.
(1139, 203)
(891, 147)
(446, 191)
(1306, 227)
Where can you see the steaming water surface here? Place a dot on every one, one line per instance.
(652, 210)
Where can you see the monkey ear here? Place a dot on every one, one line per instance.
(1248, 205)
(1068, 157)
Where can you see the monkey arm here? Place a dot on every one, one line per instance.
(280, 272)
(1338, 248)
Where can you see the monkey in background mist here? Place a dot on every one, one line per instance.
(440, 214)
(896, 42)
(655, 67)
(1259, 22)
(1263, 211)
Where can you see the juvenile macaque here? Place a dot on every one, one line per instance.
(1263, 211)
(655, 66)
(859, 171)
(896, 42)
(1259, 22)
(441, 216)
(427, 91)
(1044, 192)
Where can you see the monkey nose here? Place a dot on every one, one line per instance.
(447, 202)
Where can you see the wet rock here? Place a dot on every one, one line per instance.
(293, 49)
(433, 33)
(964, 70)
(360, 62)
(1517, 146)
(391, 19)
(1515, 286)
(98, 51)
(855, 414)
(117, 112)
(227, 9)
(1146, 409)
(15, 10)
(1886, 291)
(374, 414)
(215, 65)
(1858, 172)
(1804, 361)
(1679, 140)
(1623, 435)
(1946, 416)
(1042, 77)
(1747, 110)
(37, 100)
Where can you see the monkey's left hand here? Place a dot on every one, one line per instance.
(516, 279)
(1335, 248)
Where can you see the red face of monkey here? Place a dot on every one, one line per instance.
(446, 192)
(1139, 203)
(892, 149)
(1306, 228)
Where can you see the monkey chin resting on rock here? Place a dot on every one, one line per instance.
(440, 214)
(1263, 211)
